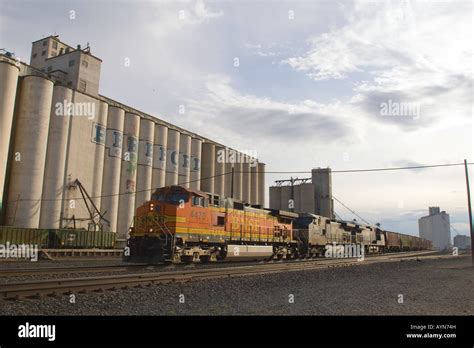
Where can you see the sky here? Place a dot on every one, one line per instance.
(303, 84)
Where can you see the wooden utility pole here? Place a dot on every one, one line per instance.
(470, 211)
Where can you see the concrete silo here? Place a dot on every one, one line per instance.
(84, 159)
(53, 183)
(159, 156)
(98, 138)
(275, 197)
(195, 172)
(184, 160)
(219, 180)
(285, 197)
(112, 166)
(128, 175)
(8, 80)
(208, 167)
(246, 180)
(228, 179)
(145, 161)
(238, 180)
(254, 199)
(261, 184)
(29, 152)
(297, 197)
(172, 157)
(306, 198)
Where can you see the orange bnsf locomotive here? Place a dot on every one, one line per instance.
(183, 225)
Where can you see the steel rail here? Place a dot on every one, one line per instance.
(130, 267)
(69, 269)
(52, 287)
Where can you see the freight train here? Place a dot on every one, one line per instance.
(183, 225)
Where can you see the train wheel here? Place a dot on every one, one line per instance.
(176, 258)
(186, 259)
(205, 258)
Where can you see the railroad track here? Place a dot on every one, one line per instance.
(53, 287)
(77, 269)
(18, 272)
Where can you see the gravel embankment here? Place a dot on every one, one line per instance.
(433, 287)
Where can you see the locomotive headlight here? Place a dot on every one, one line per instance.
(152, 206)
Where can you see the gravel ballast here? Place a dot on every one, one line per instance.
(409, 287)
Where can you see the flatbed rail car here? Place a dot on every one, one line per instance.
(183, 225)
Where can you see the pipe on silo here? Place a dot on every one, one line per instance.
(184, 171)
(53, 183)
(9, 80)
(195, 172)
(246, 180)
(112, 166)
(128, 176)
(29, 152)
(172, 158)
(159, 157)
(254, 199)
(145, 161)
(208, 167)
(261, 184)
(219, 180)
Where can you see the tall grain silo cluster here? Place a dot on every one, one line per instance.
(59, 136)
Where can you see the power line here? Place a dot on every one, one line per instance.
(352, 211)
(115, 194)
(375, 169)
(248, 172)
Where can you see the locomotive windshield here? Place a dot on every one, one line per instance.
(171, 197)
(177, 198)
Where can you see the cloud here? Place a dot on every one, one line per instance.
(203, 13)
(166, 18)
(222, 106)
(417, 53)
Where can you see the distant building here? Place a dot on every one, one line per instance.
(435, 227)
(462, 242)
(309, 195)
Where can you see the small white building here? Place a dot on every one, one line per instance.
(436, 227)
